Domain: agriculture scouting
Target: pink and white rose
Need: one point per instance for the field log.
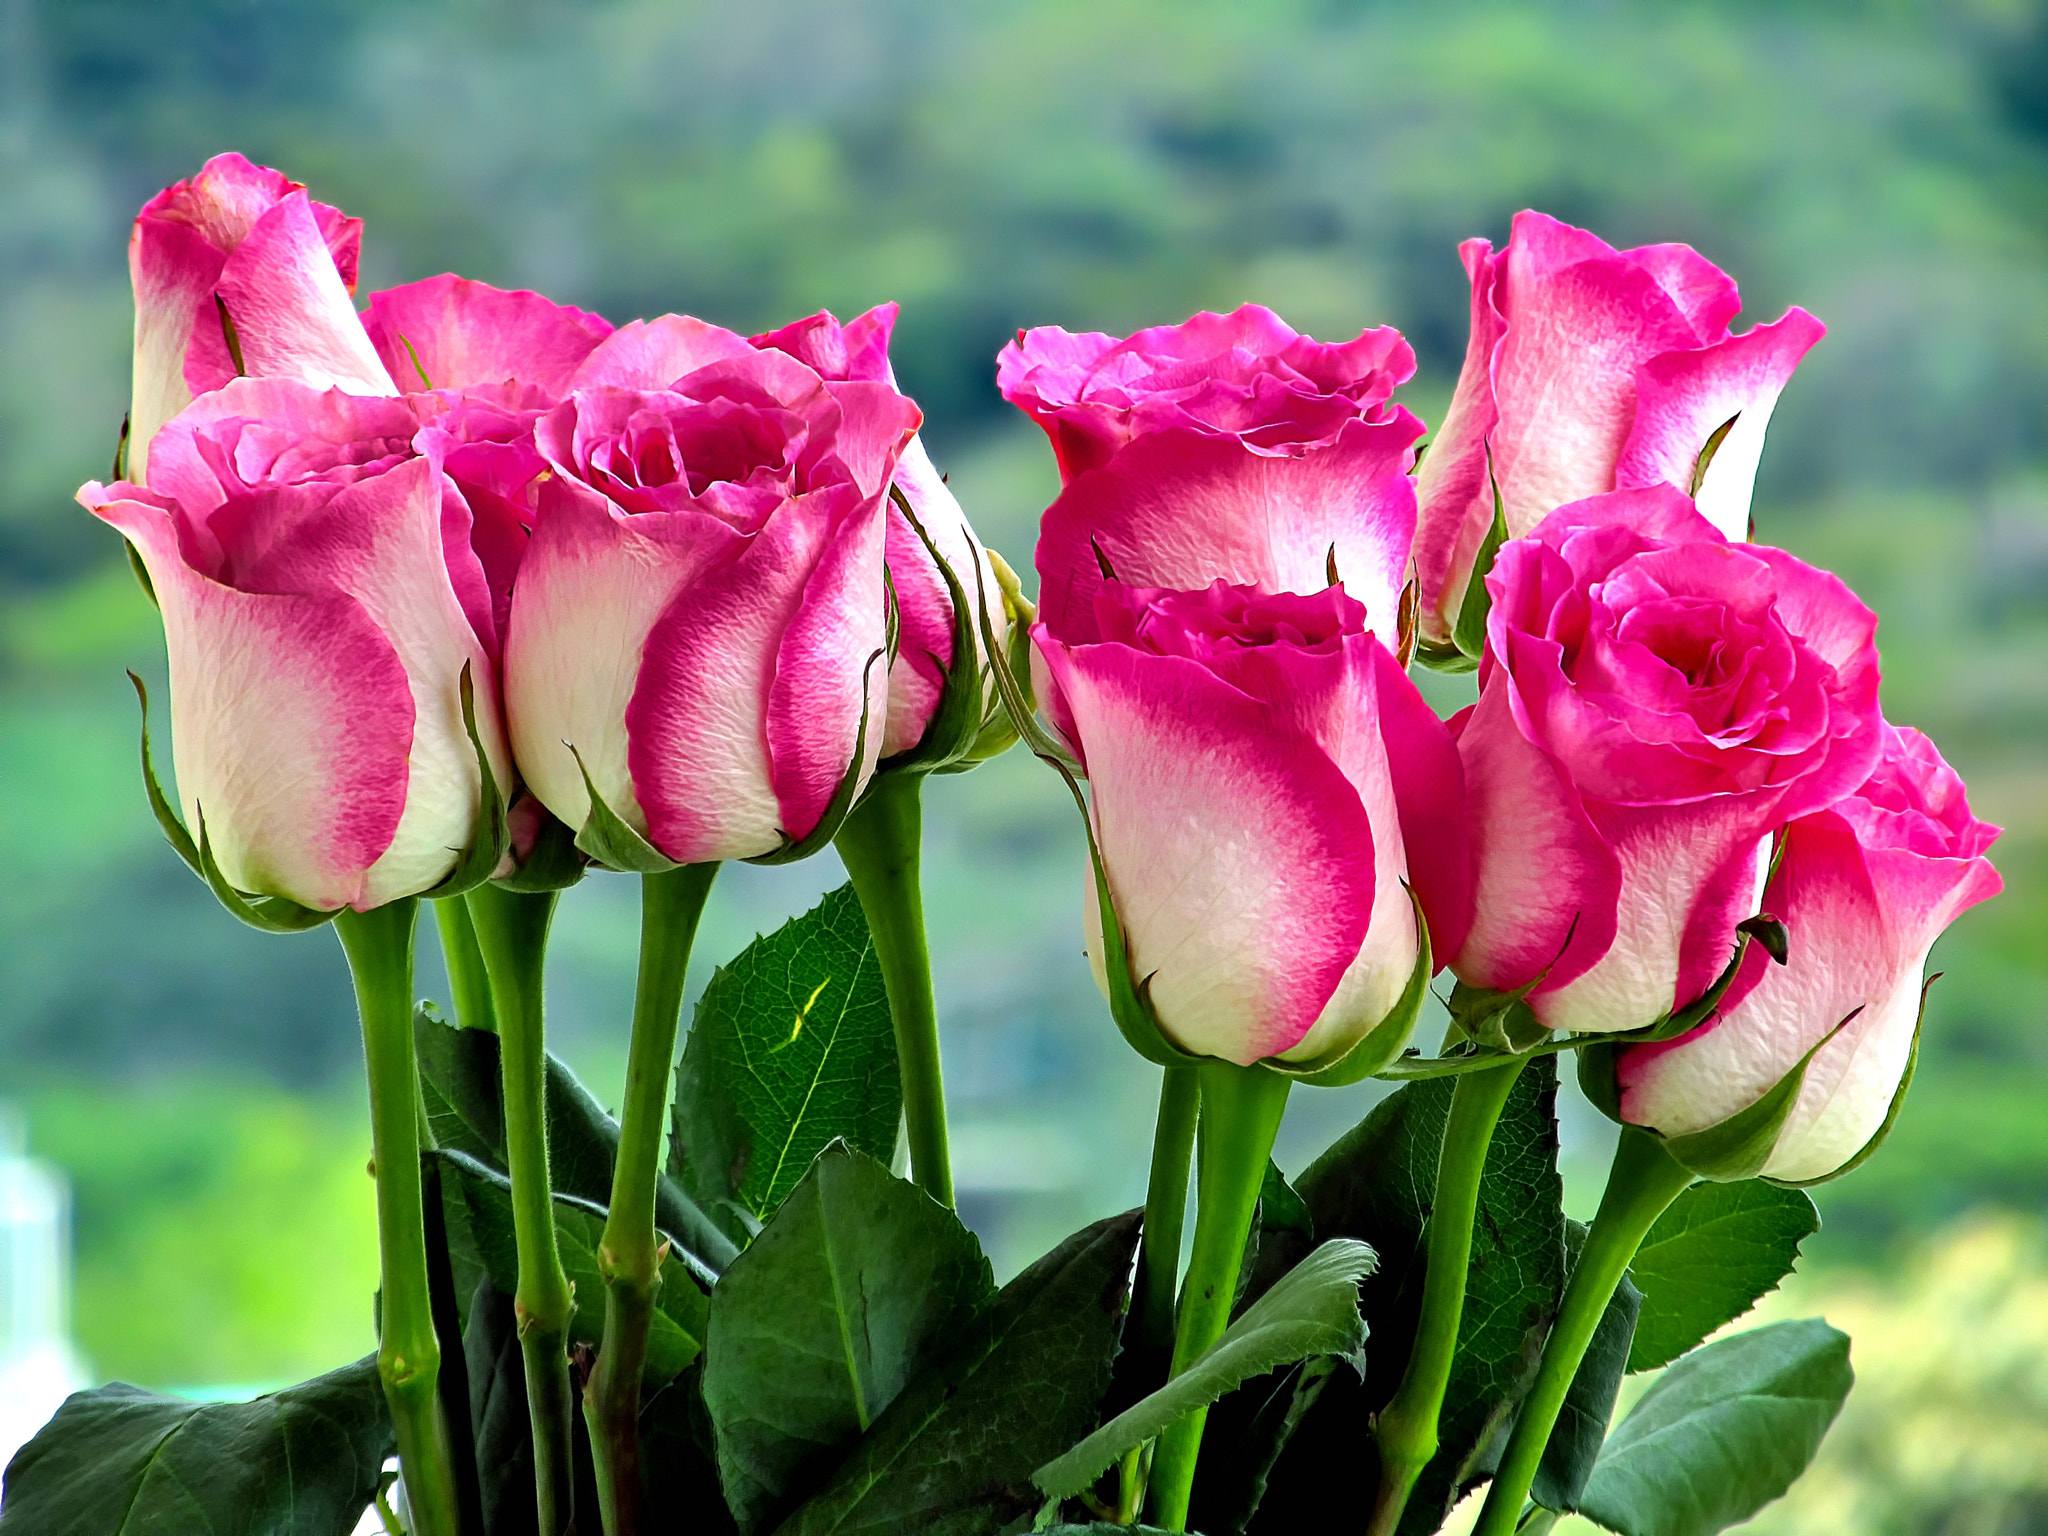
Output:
(700, 614)
(1264, 780)
(1587, 370)
(320, 601)
(1864, 889)
(1655, 702)
(1229, 447)
(859, 350)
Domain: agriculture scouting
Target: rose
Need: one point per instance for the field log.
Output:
(1864, 888)
(320, 601)
(700, 616)
(1264, 778)
(1227, 447)
(1655, 702)
(241, 251)
(924, 605)
(1590, 369)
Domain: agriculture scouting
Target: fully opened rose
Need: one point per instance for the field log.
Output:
(1228, 448)
(1654, 703)
(1590, 369)
(1864, 889)
(1265, 784)
(700, 621)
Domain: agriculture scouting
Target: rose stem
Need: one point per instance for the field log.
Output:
(879, 845)
(627, 1255)
(1241, 1109)
(1406, 1427)
(511, 931)
(1166, 1201)
(1643, 1180)
(469, 984)
(379, 948)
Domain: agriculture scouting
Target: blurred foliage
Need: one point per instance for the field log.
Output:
(1102, 164)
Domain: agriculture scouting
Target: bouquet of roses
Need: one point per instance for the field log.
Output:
(468, 593)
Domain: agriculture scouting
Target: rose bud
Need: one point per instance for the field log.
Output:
(238, 271)
(321, 604)
(1229, 447)
(1864, 888)
(1587, 370)
(940, 537)
(700, 621)
(1654, 703)
(1266, 783)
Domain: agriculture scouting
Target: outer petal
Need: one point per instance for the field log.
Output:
(591, 587)
(1682, 398)
(698, 724)
(1452, 488)
(173, 267)
(467, 333)
(653, 354)
(1182, 509)
(1545, 882)
(1240, 857)
(291, 721)
(291, 312)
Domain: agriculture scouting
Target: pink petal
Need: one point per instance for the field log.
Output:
(467, 333)
(653, 354)
(1428, 778)
(1452, 488)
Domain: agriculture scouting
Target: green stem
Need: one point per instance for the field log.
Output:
(628, 1256)
(510, 929)
(1642, 1182)
(879, 845)
(379, 948)
(469, 983)
(1166, 1201)
(1241, 1109)
(1406, 1427)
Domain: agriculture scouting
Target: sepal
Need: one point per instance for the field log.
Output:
(609, 841)
(956, 724)
(553, 862)
(159, 804)
(997, 733)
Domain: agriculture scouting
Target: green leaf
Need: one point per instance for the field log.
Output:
(858, 1283)
(1237, 1467)
(681, 1310)
(1722, 1433)
(120, 1461)
(461, 1082)
(681, 1461)
(792, 1047)
(954, 1455)
(1311, 1310)
(1376, 1184)
(1707, 1260)
(1581, 1427)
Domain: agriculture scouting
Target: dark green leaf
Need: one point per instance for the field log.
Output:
(120, 1461)
(1236, 1466)
(1375, 1184)
(461, 1083)
(1722, 1433)
(954, 1455)
(1310, 1310)
(681, 1461)
(1581, 1427)
(792, 1048)
(498, 1413)
(1709, 1257)
(858, 1283)
(681, 1307)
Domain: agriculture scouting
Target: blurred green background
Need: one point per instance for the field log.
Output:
(995, 164)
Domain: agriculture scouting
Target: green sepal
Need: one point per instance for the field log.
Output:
(609, 841)
(1013, 688)
(794, 848)
(1371, 1051)
(160, 805)
(1713, 446)
(142, 575)
(121, 448)
(272, 914)
(1442, 656)
(488, 843)
(1597, 1079)
(998, 734)
(1738, 1147)
(1468, 634)
(1891, 1114)
(553, 863)
(957, 721)
(1499, 1021)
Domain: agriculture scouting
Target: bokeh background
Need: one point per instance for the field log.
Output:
(1096, 164)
